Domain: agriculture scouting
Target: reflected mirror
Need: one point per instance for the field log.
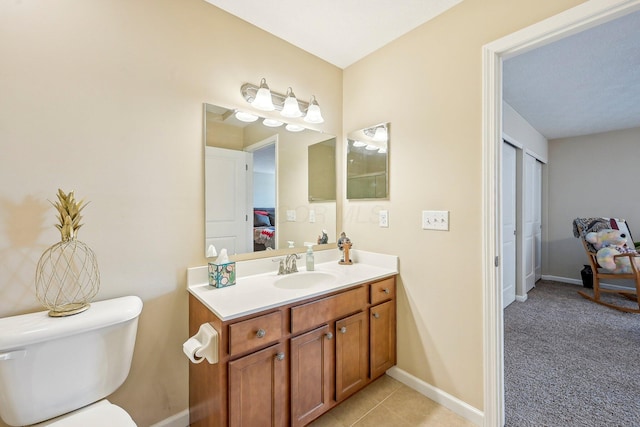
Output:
(258, 181)
(321, 169)
(367, 163)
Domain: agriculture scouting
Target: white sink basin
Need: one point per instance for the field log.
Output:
(304, 280)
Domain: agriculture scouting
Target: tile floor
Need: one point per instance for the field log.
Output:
(388, 402)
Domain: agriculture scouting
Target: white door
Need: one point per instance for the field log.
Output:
(508, 224)
(227, 202)
(532, 221)
(537, 222)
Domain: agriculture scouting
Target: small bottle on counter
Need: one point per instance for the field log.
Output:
(310, 260)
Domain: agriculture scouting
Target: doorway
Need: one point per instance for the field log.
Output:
(579, 18)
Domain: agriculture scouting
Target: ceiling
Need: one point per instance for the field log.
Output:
(339, 31)
(583, 84)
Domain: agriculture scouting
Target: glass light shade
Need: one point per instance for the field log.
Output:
(380, 134)
(246, 117)
(294, 128)
(382, 151)
(359, 144)
(272, 123)
(371, 147)
(291, 107)
(314, 115)
(263, 99)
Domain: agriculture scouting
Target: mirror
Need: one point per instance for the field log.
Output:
(258, 181)
(367, 163)
(321, 169)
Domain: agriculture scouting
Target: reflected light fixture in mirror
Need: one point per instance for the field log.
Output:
(263, 98)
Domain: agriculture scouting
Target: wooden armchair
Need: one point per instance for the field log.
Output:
(583, 226)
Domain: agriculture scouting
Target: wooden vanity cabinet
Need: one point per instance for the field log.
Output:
(258, 388)
(312, 380)
(293, 363)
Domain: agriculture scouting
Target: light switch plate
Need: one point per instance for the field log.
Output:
(435, 220)
(312, 215)
(291, 215)
(383, 218)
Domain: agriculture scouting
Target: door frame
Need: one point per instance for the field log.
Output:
(574, 20)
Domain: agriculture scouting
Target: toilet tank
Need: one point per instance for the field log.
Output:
(53, 365)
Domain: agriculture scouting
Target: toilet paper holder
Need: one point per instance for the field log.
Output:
(203, 345)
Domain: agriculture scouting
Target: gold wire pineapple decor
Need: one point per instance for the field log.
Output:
(67, 276)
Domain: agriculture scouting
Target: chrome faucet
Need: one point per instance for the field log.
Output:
(290, 264)
(287, 265)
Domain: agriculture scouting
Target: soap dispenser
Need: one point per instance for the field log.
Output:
(310, 262)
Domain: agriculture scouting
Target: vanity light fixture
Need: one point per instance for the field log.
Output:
(313, 112)
(358, 144)
(291, 108)
(263, 98)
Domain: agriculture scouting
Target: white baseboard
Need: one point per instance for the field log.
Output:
(579, 282)
(522, 298)
(441, 397)
(181, 419)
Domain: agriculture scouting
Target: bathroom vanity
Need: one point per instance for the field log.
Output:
(292, 347)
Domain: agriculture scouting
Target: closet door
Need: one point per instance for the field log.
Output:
(508, 224)
(532, 221)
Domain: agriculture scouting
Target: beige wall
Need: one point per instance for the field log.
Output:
(428, 85)
(589, 176)
(105, 97)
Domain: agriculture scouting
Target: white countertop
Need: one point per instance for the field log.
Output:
(254, 290)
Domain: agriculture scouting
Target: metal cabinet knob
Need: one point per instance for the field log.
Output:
(280, 356)
(261, 333)
(376, 315)
(386, 290)
(343, 330)
(329, 336)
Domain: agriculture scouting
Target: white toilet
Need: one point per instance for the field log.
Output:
(55, 371)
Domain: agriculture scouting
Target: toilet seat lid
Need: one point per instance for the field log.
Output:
(99, 414)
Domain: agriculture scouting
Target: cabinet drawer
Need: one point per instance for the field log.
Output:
(383, 290)
(308, 315)
(255, 333)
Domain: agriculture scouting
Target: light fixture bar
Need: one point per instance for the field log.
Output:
(249, 92)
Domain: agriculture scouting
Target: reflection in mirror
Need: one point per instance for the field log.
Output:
(367, 163)
(322, 171)
(256, 183)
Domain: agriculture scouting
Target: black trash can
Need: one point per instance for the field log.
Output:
(587, 276)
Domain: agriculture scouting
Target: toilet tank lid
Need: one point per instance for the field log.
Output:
(25, 329)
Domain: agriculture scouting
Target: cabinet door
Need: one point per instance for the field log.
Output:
(258, 389)
(352, 354)
(311, 374)
(382, 327)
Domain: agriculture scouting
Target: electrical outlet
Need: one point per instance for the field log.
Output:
(312, 215)
(383, 218)
(291, 215)
(435, 220)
